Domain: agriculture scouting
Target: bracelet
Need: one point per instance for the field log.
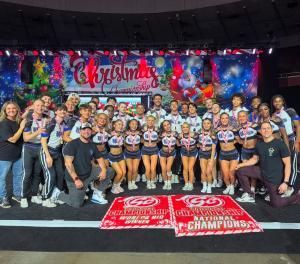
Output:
(286, 182)
(75, 179)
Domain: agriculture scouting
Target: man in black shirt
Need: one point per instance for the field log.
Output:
(79, 173)
(274, 169)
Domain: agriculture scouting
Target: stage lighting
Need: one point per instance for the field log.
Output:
(151, 52)
(1, 53)
(106, 52)
(71, 53)
(224, 52)
(161, 53)
(78, 52)
(187, 52)
(270, 50)
(254, 51)
(7, 52)
(43, 52)
(198, 52)
(115, 52)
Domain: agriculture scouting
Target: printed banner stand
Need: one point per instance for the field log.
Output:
(196, 215)
(138, 212)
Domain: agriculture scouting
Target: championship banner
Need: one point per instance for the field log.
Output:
(196, 215)
(138, 212)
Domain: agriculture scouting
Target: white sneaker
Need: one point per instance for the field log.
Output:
(226, 191)
(214, 183)
(160, 179)
(208, 190)
(176, 178)
(144, 179)
(246, 198)
(267, 198)
(130, 185)
(231, 191)
(48, 203)
(120, 189)
(36, 200)
(138, 178)
(149, 185)
(24, 203)
(169, 186)
(115, 189)
(204, 188)
(98, 198)
(288, 192)
(134, 186)
(219, 184)
(153, 185)
(185, 187)
(191, 187)
(165, 187)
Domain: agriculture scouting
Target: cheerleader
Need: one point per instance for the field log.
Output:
(121, 114)
(275, 121)
(101, 135)
(132, 152)
(193, 119)
(116, 155)
(207, 154)
(167, 153)
(229, 156)
(247, 137)
(189, 153)
(291, 122)
(150, 151)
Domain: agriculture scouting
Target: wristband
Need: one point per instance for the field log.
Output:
(75, 179)
(286, 182)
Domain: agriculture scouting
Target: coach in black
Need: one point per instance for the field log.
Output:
(274, 169)
(79, 172)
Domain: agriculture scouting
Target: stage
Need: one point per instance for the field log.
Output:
(77, 230)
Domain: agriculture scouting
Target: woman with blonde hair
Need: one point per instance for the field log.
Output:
(10, 151)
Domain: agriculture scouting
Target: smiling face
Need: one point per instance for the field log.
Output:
(86, 133)
(255, 103)
(266, 130)
(264, 111)
(185, 128)
(166, 126)
(224, 119)
(133, 125)
(216, 109)
(122, 108)
(174, 106)
(150, 121)
(192, 109)
(61, 113)
(38, 107)
(47, 101)
(242, 117)
(184, 109)
(278, 103)
(70, 106)
(101, 120)
(206, 124)
(85, 113)
(157, 101)
(208, 104)
(140, 109)
(118, 126)
(11, 111)
(236, 101)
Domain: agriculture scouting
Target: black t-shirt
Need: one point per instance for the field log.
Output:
(270, 159)
(83, 154)
(9, 151)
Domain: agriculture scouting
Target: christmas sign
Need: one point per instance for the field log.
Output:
(138, 212)
(195, 215)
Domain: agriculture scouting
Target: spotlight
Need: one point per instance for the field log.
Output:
(106, 52)
(270, 50)
(125, 52)
(115, 52)
(151, 52)
(35, 53)
(7, 52)
(198, 52)
(187, 52)
(71, 53)
(161, 53)
(224, 52)
(78, 52)
(43, 52)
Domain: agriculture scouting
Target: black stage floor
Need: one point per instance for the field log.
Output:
(143, 240)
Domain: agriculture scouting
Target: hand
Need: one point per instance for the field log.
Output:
(282, 188)
(102, 175)
(40, 130)
(239, 166)
(49, 161)
(78, 184)
(22, 124)
(296, 146)
(210, 165)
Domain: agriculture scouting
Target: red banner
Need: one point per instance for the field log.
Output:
(138, 212)
(196, 215)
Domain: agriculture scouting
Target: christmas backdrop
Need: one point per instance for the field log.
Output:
(175, 77)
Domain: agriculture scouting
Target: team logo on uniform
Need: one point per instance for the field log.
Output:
(271, 151)
(141, 201)
(202, 201)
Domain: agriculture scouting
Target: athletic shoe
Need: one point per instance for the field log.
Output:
(144, 179)
(267, 198)
(48, 203)
(16, 198)
(130, 186)
(191, 187)
(120, 188)
(169, 185)
(36, 199)
(153, 185)
(288, 192)
(160, 179)
(176, 178)
(24, 203)
(149, 185)
(115, 189)
(231, 190)
(246, 198)
(134, 186)
(262, 190)
(226, 191)
(98, 198)
(208, 190)
(185, 187)
(214, 183)
(165, 187)
(219, 184)
(5, 203)
(138, 178)
(204, 188)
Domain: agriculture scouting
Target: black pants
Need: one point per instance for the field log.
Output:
(294, 163)
(32, 170)
(53, 176)
(254, 172)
